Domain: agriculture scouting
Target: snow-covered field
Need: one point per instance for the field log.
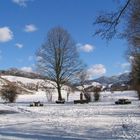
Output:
(101, 120)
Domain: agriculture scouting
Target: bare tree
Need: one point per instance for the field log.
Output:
(83, 77)
(127, 14)
(49, 93)
(58, 58)
(136, 74)
(97, 91)
(133, 37)
(9, 92)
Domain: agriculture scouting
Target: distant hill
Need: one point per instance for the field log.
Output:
(107, 82)
(117, 82)
(122, 78)
(17, 72)
(104, 80)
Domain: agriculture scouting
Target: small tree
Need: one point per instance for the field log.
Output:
(9, 93)
(136, 74)
(69, 89)
(49, 93)
(97, 91)
(83, 77)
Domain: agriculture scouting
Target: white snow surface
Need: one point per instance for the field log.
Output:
(95, 84)
(101, 120)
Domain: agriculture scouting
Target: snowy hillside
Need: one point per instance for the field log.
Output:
(26, 81)
(90, 84)
(21, 73)
(38, 88)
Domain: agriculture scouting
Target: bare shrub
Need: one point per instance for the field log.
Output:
(9, 93)
(96, 96)
(49, 92)
(97, 91)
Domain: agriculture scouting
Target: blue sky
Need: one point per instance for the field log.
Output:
(24, 25)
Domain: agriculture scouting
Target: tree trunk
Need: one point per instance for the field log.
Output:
(59, 93)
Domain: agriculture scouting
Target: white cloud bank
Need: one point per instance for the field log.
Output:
(96, 70)
(86, 48)
(22, 3)
(27, 69)
(5, 34)
(30, 28)
(18, 45)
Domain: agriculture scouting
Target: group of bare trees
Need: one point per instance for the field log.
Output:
(128, 17)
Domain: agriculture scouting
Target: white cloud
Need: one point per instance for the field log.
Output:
(96, 70)
(5, 34)
(85, 48)
(27, 69)
(18, 45)
(30, 28)
(127, 71)
(125, 65)
(131, 59)
(22, 3)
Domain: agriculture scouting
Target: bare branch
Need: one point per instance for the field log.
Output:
(108, 22)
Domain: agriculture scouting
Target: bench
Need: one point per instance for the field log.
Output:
(123, 101)
(80, 101)
(36, 104)
(60, 101)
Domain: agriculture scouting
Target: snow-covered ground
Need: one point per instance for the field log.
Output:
(101, 120)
